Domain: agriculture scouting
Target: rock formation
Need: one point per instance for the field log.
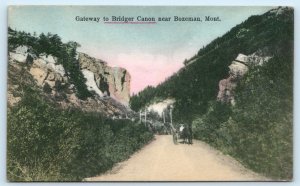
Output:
(110, 85)
(46, 71)
(22, 54)
(43, 68)
(109, 81)
(238, 68)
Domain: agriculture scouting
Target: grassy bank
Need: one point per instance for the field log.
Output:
(50, 144)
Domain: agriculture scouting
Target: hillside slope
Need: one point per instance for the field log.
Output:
(237, 93)
(196, 84)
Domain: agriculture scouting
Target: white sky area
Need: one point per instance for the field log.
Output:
(150, 52)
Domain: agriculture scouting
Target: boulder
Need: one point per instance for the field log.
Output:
(238, 68)
(45, 70)
(39, 75)
(21, 55)
(226, 87)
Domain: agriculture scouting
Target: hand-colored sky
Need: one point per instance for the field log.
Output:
(150, 52)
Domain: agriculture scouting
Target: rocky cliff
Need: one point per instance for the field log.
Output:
(237, 69)
(105, 80)
(109, 85)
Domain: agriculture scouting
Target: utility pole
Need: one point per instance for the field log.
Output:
(145, 117)
(163, 113)
(140, 116)
(171, 115)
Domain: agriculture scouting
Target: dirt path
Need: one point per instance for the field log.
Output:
(161, 160)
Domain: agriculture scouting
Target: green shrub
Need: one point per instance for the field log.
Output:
(49, 144)
(47, 89)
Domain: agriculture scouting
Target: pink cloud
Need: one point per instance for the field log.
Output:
(146, 69)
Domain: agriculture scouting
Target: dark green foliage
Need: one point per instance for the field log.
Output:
(47, 88)
(60, 87)
(206, 125)
(104, 87)
(50, 144)
(16, 39)
(141, 99)
(123, 77)
(265, 110)
(259, 129)
(51, 44)
(185, 62)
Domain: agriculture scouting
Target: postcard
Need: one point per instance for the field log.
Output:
(150, 93)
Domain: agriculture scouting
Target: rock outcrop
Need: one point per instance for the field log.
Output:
(101, 78)
(22, 54)
(46, 71)
(238, 68)
(110, 85)
(43, 68)
(109, 81)
(160, 106)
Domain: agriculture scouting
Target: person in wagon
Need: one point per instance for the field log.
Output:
(181, 128)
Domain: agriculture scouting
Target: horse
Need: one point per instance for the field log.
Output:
(186, 135)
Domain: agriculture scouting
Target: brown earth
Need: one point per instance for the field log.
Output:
(162, 160)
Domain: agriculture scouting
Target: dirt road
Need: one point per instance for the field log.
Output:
(161, 160)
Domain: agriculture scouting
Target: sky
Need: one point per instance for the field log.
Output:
(150, 52)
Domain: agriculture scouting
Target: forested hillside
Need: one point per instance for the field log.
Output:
(257, 129)
(49, 142)
(197, 83)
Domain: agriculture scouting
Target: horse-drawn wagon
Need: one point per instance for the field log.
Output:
(184, 133)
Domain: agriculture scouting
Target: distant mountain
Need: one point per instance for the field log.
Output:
(237, 93)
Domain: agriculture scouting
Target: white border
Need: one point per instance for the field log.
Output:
(3, 72)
